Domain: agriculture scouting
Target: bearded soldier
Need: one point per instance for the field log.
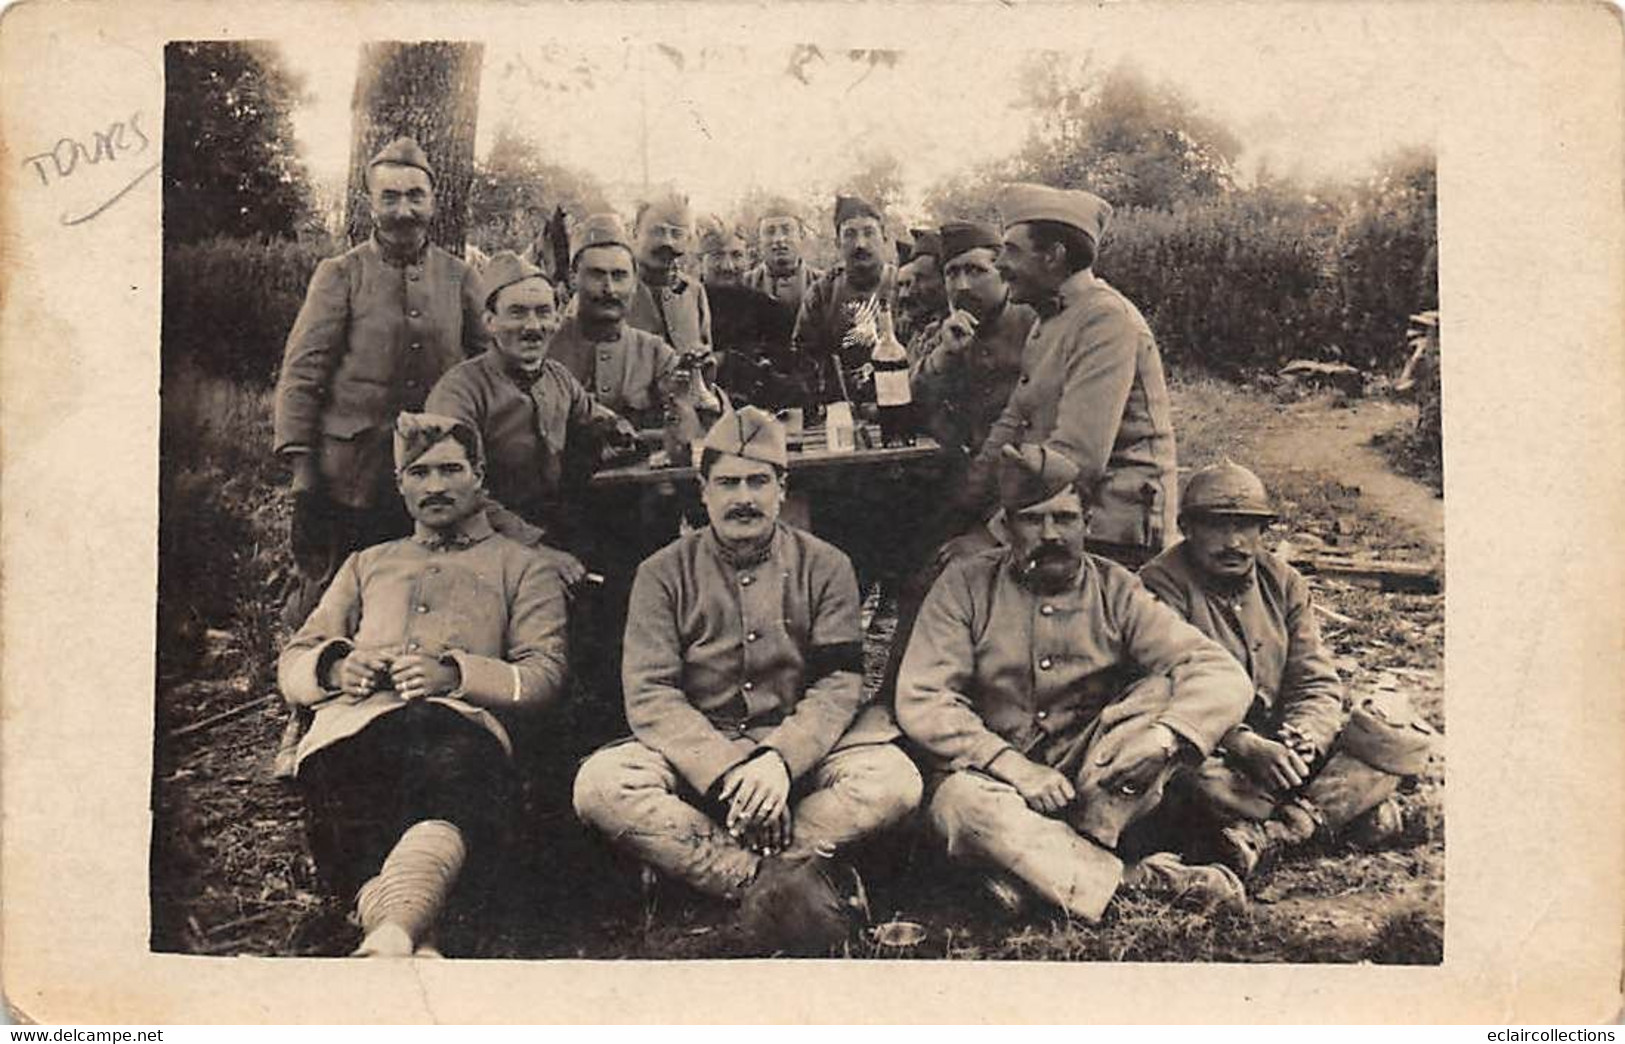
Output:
(379, 325)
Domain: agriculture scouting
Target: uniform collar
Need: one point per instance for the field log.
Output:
(1067, 294)
(743, 560)
(401, 258)
(469, 532)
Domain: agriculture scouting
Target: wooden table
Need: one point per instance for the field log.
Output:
(809, 459)
(809, 455)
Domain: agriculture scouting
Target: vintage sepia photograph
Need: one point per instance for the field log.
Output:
(750, 499)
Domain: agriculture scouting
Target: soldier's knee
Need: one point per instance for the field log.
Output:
(599, 788)
(882, 779)
(964, 802)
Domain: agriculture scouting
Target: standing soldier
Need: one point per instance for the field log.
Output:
(665, 302)
(922, 298)
(751, 329)
(623, 367)
(379, 325)
(1091, 384)
(782, 274)
(837, 325)
(1298, 764)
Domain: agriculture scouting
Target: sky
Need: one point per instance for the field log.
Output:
(721, 118)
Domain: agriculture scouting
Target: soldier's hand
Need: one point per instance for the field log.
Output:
(569, 566)
(755, 791)
(958, 330)
(770, 837)
(362, 673)
(1044, 789)
(416, 676)
(1275, 765)
(1132, 768)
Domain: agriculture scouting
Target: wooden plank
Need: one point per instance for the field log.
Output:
(809, 459)
(1410, 576)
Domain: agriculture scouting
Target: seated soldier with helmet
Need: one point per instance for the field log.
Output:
(1298, 765)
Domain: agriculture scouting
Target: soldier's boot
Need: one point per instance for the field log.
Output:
(1376, 828)
(1251, 847)
(1204, 888)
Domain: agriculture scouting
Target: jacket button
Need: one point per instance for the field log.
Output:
(748, 686)
(751, 636)
(1041, 715)
(746, 580)
(432, 570)
(1025, 378)
(414, 313)
(1046, 610)
(423, 608)
(411, 646)
(417, 345)
(1045, 664)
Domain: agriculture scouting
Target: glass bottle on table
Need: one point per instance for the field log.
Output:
(893, 395)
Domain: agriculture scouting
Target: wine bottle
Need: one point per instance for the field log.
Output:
(893, 395)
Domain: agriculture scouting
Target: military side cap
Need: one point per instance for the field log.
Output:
(670, 209)
(1226, 488)
(599, 230)
(716, 237)
(417, 433)
(926, 242)
(780, 207)
(1031, 474)
(752, 433)
(403, 152)
(1084, 211)
(505, 269)
(960, 236)
(849, 207)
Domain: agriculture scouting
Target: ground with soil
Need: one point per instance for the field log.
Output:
(230, 874)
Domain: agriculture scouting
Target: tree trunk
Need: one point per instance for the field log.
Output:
(429, 92)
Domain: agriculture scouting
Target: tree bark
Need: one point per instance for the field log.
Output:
(429, 92)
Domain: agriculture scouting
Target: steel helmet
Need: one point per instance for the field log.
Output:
(1226, 489)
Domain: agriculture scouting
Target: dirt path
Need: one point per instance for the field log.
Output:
(1341, 447)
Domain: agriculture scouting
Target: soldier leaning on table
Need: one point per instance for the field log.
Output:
(378, 327)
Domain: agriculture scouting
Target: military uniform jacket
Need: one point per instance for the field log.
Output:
(371, 339)
(490, 604)
(992, 665)
(1269, 626)
(1092, 387)
(626, 375)
(679, 313)
(788, 289)
(527, 429)
(964, 394)
(721, 658)
(828, 313)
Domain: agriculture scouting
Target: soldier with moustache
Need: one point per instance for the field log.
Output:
(421, 659)
(922, 298)
(1054, 697)
(665, 302)
(743, 678)
(378, 327)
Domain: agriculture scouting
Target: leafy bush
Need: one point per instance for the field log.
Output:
(229, 303)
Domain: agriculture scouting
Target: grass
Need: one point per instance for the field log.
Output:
(230, 873)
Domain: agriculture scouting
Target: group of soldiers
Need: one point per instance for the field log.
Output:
(1064, 727)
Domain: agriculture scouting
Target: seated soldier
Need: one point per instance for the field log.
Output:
(532, 415)
(1296, 763)
(743, 681)
(413, 662)
(1055, 697)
